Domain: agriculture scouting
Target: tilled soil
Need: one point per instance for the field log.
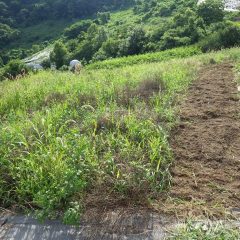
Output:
(206, 145)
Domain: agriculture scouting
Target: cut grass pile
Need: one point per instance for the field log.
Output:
(103, 133)
(206, 231)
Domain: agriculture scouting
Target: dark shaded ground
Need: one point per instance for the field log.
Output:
(206, 145)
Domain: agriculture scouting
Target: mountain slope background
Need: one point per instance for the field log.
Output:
(26, 23)
(99, 30)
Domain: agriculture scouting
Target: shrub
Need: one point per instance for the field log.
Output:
(59, 54)
(1, 74)
(230, 37)
(134, 43)
(224, 38)
(211, 11)
(14, 69)
(46, 63)
(63, 68)
(1, 62)
(103, 17)
(7, 34)
(74, 30)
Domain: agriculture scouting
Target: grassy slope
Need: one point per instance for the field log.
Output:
(181, 52)
(104, 132)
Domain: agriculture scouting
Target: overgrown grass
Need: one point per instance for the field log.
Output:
(181, 52)
(206, 231)
(103, 133)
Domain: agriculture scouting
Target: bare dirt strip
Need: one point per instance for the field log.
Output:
(206, 145)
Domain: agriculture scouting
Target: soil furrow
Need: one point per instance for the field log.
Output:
(206, 144)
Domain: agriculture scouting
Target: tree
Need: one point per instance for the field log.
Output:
(227, 37)
(111, 47)
(7, 34)
(74, 30)
(59, 54)
(1, 62)
(14, 68)
(185, 28)
(103, 17)
(91, 43)
(134, 43)
(211, 11)
(24, 14)
(3, 9)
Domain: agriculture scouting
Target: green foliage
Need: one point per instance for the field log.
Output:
(59, 54)
(1, 62)
(46, 64)
(109, 49)
(185, 28)
(124, 34)
(72, 214)
(74, 30)
(63, 136)
(182, 52)
(155, 7)
(38, 22)
(134, 43)
(103, 17)
(211, 11)
(223, 38)
(91, 43)
(14, 68)
(7, 34)
(34, 11)
(145, 26)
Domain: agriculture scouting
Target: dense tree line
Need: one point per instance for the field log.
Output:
(20, 13)
(186, 23)
(33, 11)
(28, 12)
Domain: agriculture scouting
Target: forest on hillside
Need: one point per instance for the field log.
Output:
(25, 13)
(108, 29)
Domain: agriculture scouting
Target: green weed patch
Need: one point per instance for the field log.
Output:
(105, 132)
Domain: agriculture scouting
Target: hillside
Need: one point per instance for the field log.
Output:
(35, 24)
(113, 29)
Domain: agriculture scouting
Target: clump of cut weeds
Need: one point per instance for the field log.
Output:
(206, 231)
(145, 89)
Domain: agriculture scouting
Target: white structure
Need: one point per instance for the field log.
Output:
(73, 63)
(75, 66)
(39, 57)
(34, 66)
(230, 5)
